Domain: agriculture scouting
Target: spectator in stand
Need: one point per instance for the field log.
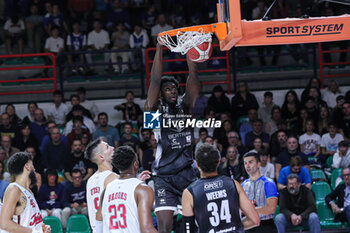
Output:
(78, 110)
(118, 14)
(35, 29)
(25, 138)
(264, 112)
(203, 133)
(257, 132)
(4, 176)
(138, 40)
(77, 131)
(129, 140)
(161, 26)
(243, 101)
(337, 112)
(284, 157)
(323, 120)
(146, 137)
(54, 44)
(104, 130)
(248, 126)
(6, 144)
(233, 167)
(31, 109)
(80, 9)
(219, 101)
(84, 141)
(271, 125)
(341, 158)
(76, 41)
(131, 111)
(74, 197)
(39, 167)
(297, 207)
(76, 160)
(47, 138)
(39, 125)
(55, 151)
(149, 155)
(47, 17)
(14, 32)
(278, 142)
(3, 184)
(257, 145)
(220, 134)
(6, 128)
(234, 140)
(313, 82)
(290, 108)
(57, 111)
(344, 123)
(310, 142)
(210, 140)
(14, 119)
(98, 40)
(300, 126)
(200, 104)
(266, 168)
(51, 196)
(56, 20)
(262, 191)
(295, 167)
(316, 93)
(208, 113)
(330, 141)
(120, 39)
(75, 100)
(331, 94)
(311, 108)
(339, 199)
(149, 18)
(87, 104)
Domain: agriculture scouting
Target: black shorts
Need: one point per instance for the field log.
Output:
(168, 189)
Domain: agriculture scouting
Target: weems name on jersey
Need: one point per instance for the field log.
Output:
(216, 195)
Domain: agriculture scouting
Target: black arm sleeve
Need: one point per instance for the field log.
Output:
(189, 224)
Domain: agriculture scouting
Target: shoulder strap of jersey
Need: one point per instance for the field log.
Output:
(24, 190)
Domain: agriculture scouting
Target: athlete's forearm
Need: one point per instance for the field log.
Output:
(248, 223)
(11, 226)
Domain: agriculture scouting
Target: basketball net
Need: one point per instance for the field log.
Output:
(185, 40)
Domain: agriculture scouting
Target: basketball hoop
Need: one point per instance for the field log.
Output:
(185, 40)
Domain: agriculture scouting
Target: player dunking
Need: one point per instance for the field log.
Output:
(126, 203)
(20, 212)
(214, 201)
(100, 153)
(172, 167)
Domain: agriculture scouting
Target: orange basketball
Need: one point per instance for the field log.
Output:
(201, 52)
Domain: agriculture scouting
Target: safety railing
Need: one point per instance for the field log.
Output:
(224, 57)
(323, 64)
(29, 67)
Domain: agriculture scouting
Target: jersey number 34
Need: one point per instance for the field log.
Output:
(216, 216)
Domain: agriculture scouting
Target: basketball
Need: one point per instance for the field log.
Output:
(200, 53)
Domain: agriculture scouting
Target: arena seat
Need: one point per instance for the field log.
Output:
(54, 223)
(78, 224)
(335, 174)
(329, 161)
(321, 189)
(326, 217)
(317, 175)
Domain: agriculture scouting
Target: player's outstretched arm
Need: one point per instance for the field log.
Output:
(187, 211)
(144, 200)
(252, 218)
(11, 197)
(156, 75)
(193, 85)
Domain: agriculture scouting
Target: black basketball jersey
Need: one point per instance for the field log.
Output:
(175, 143)
(216, 205)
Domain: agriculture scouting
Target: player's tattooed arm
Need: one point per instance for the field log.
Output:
(156, 75)
(12, 198)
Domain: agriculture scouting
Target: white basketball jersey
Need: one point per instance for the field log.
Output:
(31, 216)
(94, 189)
(119, 207)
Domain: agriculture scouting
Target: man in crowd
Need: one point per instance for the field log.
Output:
(341, 158)
(104, 130)
(57, 111)
(295, 167)
(257, 133)
(297, 207)
(344, 123)
(262, 191)
(198, 207)
(6, 128)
